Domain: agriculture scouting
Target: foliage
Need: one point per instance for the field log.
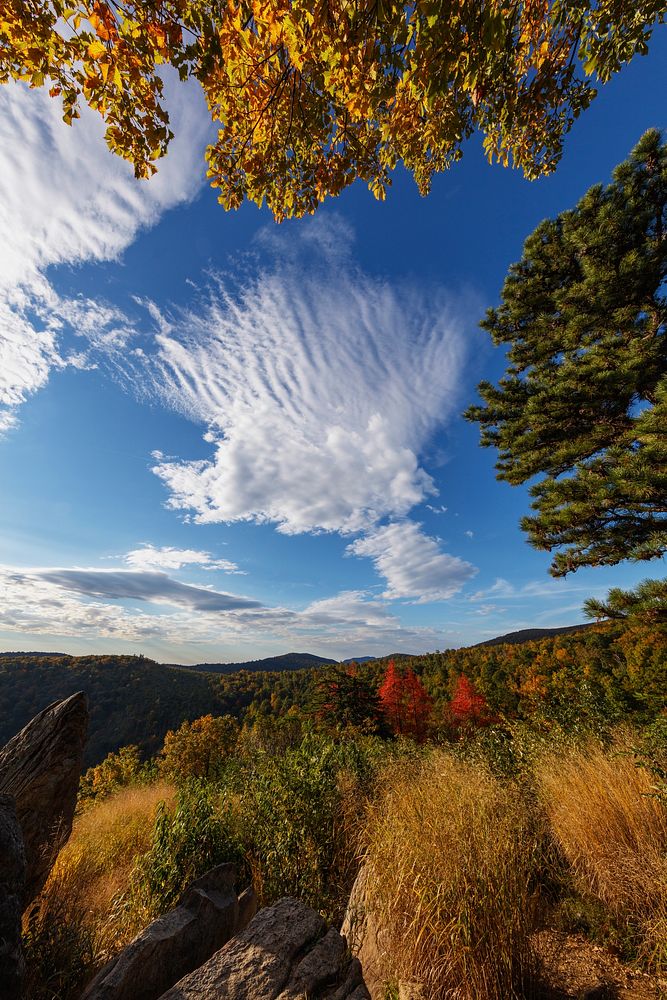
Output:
(584, 401)
(344, 698)
(310, 97)
(199, 749)
(196, 834)
(647, 602)
(592, 677)
(468, 707)
(302, 810)
(117, 770)
(405, 702)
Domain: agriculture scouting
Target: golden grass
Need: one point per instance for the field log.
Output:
(92, 871)
(613, 832)
(452, 853)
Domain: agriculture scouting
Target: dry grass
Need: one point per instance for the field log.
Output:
(76, 925)
(613, 833)
(452, 856)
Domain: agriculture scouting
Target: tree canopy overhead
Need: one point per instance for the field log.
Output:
(311, 94)
(583, 403)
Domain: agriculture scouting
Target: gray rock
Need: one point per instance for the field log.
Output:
(207, 916)
(286, 952)
(40, 768)
(247, 908)
(365, 937)
(12, 881)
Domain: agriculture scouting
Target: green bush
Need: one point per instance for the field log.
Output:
(198, 833)
(300, 815)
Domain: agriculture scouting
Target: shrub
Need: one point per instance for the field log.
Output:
(117, 770)
(195, 834)
(612, 830)
(453, 854)
(301, 811)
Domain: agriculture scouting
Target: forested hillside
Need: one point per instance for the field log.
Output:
(288, 661)
(618, 670)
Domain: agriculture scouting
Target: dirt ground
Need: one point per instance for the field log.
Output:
(575, 969)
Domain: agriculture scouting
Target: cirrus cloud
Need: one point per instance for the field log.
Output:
(149, 557)
(321, 388)
(65, 199)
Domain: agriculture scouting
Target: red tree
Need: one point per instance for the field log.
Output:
(391, 697)
(468, 707)
(405, 703)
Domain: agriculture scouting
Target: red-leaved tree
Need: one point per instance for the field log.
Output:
(468, 707)
(405, 703)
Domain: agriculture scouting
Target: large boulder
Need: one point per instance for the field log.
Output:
(40, 768)
(208, 915)
(285, 953)
(365, 936)
(12, 880)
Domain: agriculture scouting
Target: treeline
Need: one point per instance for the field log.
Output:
(616, 670)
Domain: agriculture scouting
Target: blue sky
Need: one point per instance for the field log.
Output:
(225, 439)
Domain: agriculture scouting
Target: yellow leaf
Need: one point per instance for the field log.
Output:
(96, 49)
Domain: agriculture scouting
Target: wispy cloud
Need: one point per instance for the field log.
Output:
(136, 585)
(549, 588)
(321, 388)
(65, 199)
(119, 604)
(148, 557)
(412, 563)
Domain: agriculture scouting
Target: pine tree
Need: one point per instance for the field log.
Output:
(648, 603)
(583, 403)
(343, 698)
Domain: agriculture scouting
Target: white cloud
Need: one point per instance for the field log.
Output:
(412, 563)
(86, 604)
(149, 557)
(8, 421)
(536, 588)
(65, 199)
(320, 387)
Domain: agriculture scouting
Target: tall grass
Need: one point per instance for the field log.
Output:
(75, 925)
(612, 830)
(452, 855)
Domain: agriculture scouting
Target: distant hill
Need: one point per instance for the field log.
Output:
(386, 656)
(530, 635)
(30, 653)
(272, 664)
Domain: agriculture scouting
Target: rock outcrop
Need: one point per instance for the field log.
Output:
(365, 937)
(12, 881)
(40, 769)
(285, 953)
(207, 916)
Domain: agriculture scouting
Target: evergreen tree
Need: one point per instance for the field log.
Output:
(648, 602)
(343, 698)
(583, 403)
